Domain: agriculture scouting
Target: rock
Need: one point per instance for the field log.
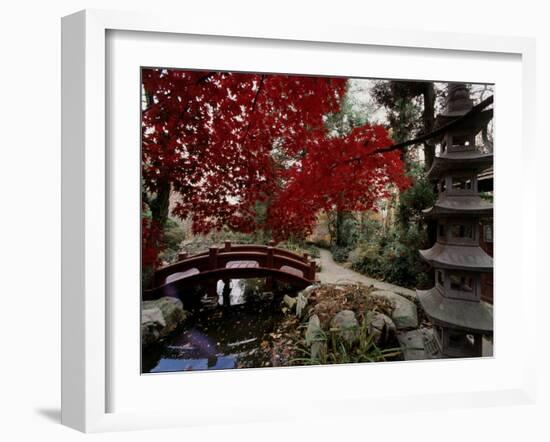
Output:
(404, 314)
(159, 318)
(289, 302)
(153, 316)
(346, 324)
(301, 302)
(173, 313)
(317, 348)
(309, 290)
(313, 330)
(382, 328)
(419, 344)
(152, 323)
(314, 337)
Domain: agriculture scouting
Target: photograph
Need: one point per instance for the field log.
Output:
(299, 220)
(236, 221)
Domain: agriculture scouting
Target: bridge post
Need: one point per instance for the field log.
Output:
(269, 265)
(227, 246)
(211, 290)
(213, 261)
(306, 257)
(312, 271)
(182, 256)
(272, 243)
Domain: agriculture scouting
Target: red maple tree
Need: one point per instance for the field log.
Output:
(225, 141)
(340, 174)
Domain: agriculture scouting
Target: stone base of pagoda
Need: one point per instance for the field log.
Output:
(419, 344)
(457, 344)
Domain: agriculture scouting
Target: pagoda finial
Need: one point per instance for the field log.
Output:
(458, 101)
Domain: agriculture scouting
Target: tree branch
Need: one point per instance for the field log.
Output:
(475, 111)
(253, 108)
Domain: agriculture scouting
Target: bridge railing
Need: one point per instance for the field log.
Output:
(228, 247)
(268, 257)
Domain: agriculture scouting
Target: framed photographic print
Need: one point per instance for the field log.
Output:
(248, 212)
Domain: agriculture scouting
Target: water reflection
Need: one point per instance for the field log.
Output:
(238, 291)
(221, 338)
(213, 363)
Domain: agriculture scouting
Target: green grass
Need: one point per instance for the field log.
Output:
(329, 347)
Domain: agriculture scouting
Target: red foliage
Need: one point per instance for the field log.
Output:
(214, 137)
(336, 174)
(151, 237)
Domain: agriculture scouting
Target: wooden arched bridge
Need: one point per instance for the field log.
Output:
(231, 262)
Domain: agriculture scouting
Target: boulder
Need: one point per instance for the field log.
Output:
(313, 330)
(309, 290)
(152, 323)
(346, 325)
(159, 318)
(419, 344)
(289, 302)
(301, 303)
(382, 328)
(404, 314)
(314, 337)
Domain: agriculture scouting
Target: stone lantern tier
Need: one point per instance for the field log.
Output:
(469, 317)
(456, 174)
(473, 125)
(458, 257)
(460, 205)
(449, 162)
(454, 308)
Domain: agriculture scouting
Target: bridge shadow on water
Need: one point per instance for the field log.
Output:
(222, 333)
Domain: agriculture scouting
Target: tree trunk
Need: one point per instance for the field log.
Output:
(339, 222)
(159, 212)
(161, 203)
(428, 119)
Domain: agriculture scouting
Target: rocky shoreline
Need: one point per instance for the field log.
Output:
(322, 324)
(364, 321)
(160, 318)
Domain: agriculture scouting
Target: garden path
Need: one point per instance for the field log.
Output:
(332, 272)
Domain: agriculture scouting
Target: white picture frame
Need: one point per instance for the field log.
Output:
(86, 315)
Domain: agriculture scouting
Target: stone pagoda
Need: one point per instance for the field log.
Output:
(454, 304)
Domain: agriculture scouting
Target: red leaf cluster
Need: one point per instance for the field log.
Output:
(225, 141)
(151, 240)
(336, 174)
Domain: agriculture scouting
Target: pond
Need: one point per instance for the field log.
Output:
(232, 331)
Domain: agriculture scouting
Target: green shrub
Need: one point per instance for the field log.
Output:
(201, 243)
(416, 198)
(323, 243)
(348, 233)
(332, 347)
(172, 239)
(369, 230)
(339, 254)
(299, 247)
(393, 255)
(394, 258)
(367, 259)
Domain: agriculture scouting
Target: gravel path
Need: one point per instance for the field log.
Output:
(333, 272)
